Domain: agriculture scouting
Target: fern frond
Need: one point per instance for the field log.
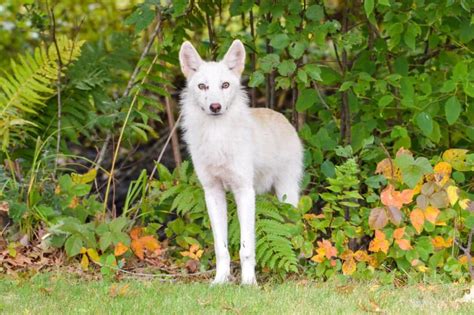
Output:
(24, 91)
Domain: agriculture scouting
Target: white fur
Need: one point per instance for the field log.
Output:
(244, 150)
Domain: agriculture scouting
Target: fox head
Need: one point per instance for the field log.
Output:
(213, 85)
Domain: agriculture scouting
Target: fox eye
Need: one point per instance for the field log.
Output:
(225, 85)
(202, 86)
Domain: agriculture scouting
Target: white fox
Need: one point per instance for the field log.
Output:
(233, 147)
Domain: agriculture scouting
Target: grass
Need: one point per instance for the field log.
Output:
(60, 294)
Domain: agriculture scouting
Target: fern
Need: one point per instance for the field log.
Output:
(24, 91)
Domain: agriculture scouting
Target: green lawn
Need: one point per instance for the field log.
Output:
(59, 294)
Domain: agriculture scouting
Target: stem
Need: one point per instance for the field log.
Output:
(130, 83)
(253, 58)
(58, 83)
(124, 125)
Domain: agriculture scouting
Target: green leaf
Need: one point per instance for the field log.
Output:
(306, 99)
(256, 79)
(452, 109)
(315, 12)
(73, 245)
(269, 62)
(314, 71)
(302, 76)
(105, 241)
(385, 100)
(297, 50)
(460, 71)
(287, 67)
(280, 41)
(384, 2)
(413, 170)
(425, 123)
(368, 7)
(448, 86)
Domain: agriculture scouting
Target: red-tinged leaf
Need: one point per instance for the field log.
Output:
(347, 254)
(391, 197)
(349, 267)
(120, 249)
(394, 215)
(431, 214)
(417, 218)
(378, 218)
(404, 244)
(402, 150)
(398, 233)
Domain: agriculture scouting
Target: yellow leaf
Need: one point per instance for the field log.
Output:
(422, 268)
(442, 172)
(309, 216)
(361, 255)
(93, 255)
(457, 159)
(453, 195)
(349, 266)
(464, 203)
(84, 262)
(120, 249)
(417, 218)
(83, 250)
(84, 178)
(388, 169)
(431, 214)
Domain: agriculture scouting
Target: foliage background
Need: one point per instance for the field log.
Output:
(359, 80)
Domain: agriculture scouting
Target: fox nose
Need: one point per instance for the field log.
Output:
(215, 107)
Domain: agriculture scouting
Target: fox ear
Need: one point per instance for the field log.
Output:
(189, 59)
(235, 57)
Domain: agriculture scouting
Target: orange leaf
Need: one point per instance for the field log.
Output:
(137, 248)
(74, 202)
(379, 243)
(150, 242)
(417, 218)
(136, 232)
(439, 242)
(330, 251)
(431, 213)
(349, 266)
(391, 197)
(404, 244)
(398, 233)
(120, 249)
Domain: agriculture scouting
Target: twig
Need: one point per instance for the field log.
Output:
(392, 169)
